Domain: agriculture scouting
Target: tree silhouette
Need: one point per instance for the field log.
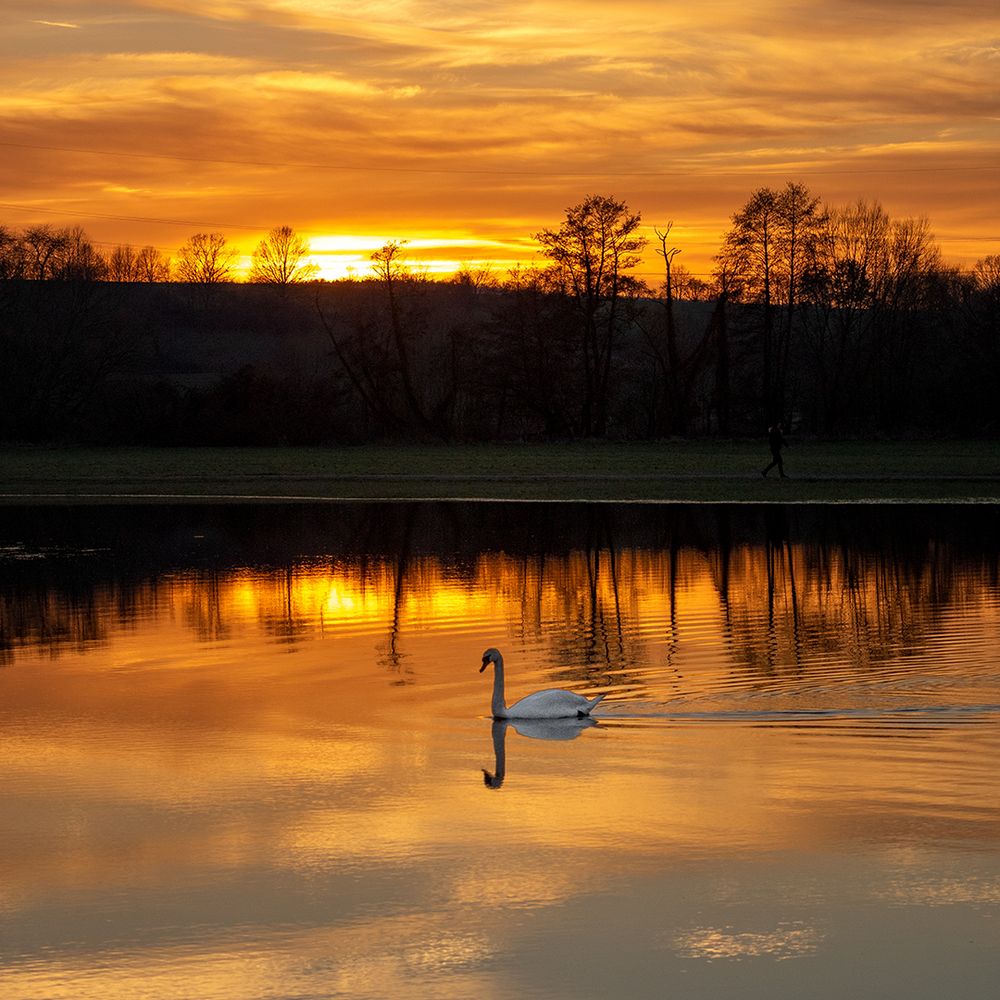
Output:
(590, 254)
(122, 264)
(871, 298)
(280, 259)
(768, 250)
(126, 264)
(44, 250)
(151, 265)
(12, 257)
(205, 259)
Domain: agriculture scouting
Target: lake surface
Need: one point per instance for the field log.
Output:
(245, 752)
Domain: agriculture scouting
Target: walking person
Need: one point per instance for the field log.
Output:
(775, 441)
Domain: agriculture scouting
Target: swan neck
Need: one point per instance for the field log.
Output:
(500, 748)
(499, 706)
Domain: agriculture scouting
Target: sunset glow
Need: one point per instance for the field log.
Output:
(466, 130)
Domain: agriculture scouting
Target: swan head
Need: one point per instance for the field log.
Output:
(492, 655)
(491, 780)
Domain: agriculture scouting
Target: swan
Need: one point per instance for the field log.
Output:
(550, 704)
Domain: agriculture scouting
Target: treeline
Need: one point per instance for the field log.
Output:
(835, 320)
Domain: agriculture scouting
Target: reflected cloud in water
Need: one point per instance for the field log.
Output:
(791, 940)
(241, 751)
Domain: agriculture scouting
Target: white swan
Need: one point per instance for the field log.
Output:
(550, 704)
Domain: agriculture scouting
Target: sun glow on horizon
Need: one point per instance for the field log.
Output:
(339, 257)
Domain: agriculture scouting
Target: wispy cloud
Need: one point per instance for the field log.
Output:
(418, 116)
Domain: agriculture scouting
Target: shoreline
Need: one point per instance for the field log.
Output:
(668, 472)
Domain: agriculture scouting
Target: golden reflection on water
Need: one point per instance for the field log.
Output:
(263, 782)
(786, 941)
(770, 610)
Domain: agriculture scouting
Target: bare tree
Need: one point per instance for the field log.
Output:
(672, 373)
(126, 264)
(122, 264)
(280, 259)
(590, 254)
(475, 278)
(49, 254)
(206, 259)
(980, 292)
(688, 287)
(530, 365)
(44, 251)
(768, 249)
(151, 265)
(82, 260)
(430, 415)
(873, 289)
(12, 257)
(400, 360)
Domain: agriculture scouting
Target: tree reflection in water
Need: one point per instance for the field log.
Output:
(598, 586)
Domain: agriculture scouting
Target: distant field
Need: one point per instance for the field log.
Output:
(672, 470)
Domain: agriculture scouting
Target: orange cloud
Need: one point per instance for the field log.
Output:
(420, 119)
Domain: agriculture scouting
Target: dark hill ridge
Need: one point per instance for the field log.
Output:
(357, 361)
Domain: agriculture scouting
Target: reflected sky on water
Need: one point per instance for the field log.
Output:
(245, 751)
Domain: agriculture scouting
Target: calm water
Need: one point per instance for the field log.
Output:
(245, 752)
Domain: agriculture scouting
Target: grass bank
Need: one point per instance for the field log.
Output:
(707, 471)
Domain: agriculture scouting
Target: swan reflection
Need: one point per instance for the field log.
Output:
(535, 729)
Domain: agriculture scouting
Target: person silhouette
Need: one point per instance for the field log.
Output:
(775, 441)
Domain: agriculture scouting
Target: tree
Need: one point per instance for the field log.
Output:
(151, 265)
(399, 358)
(528, 367)
(205, 259)
(280, 259)
(475, 278)
(431, 414)
(678, 359)
(718, 331)
(126, 264)
(44, 251)
(122, 264)
(12, 259)
(61, 334)
(671, 366)
(768, 250)
(590, 254)
(981, 336)
(876, 301)
(852, 263)
(82, 260)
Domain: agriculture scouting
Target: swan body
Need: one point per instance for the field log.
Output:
(549, 704)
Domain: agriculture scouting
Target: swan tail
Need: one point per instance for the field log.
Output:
(591, 705)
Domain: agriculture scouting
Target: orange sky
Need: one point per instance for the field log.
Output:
(466, 128)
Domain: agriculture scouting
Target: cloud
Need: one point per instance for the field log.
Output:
(502, 112)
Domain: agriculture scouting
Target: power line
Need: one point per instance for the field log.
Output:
(688, 243)
(495, 172)
(133, 218)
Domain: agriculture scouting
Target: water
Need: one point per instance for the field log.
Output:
(245, 752)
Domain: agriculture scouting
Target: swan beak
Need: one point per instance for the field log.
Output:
(483, 667)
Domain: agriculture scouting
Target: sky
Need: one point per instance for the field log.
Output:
(467, 128)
